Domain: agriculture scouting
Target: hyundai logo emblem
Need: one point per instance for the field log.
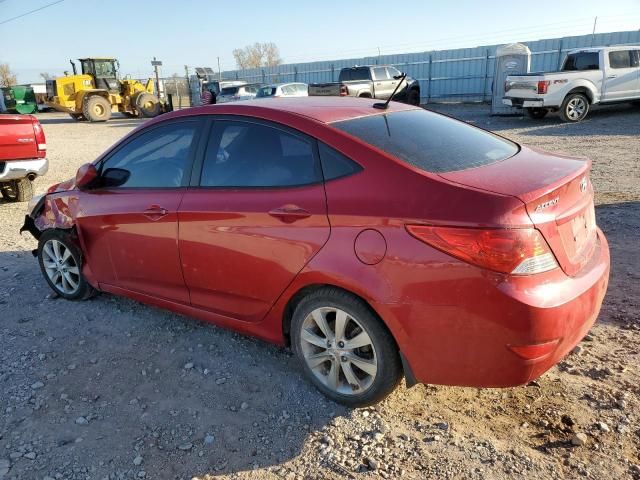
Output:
(583, 184)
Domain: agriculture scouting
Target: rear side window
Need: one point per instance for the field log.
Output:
(245, 154)
(380, 73)
(434, 143)
(621, 59)
(348, 74)
(582, 61)
(335, 164)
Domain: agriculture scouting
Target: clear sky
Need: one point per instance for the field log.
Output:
(196, 32)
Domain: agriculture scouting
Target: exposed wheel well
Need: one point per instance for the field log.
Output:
(365, 95)
(585, 91)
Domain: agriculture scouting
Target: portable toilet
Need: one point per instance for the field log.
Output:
(512, 59)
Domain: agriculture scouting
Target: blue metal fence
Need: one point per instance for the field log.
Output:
(444, 75)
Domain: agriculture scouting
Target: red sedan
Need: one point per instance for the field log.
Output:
(377, 243)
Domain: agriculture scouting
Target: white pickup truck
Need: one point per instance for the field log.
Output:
(588, 76)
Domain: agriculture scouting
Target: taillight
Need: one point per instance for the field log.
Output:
(543, 86)
(40, 139)
(344, 91)
(518, 251)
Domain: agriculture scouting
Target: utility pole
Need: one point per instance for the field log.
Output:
(155, 64)
(219, 71)
(186, 74)
(593, 33)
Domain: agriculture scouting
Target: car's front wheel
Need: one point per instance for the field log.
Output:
(60, 261)
(344, 348)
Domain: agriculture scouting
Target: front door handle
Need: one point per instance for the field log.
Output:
(155, 212)
(289, 213)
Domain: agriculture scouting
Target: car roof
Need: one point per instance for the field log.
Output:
(320, 109)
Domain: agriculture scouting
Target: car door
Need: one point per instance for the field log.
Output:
(381, 82)
(129, 222)
(257, 216)
(622, 80)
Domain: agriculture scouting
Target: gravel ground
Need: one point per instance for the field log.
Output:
(112, 389)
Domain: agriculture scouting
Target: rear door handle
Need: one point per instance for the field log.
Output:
(155, 212)
(289, 213)
(612, 76)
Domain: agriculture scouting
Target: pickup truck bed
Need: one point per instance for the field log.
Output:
(22, 155)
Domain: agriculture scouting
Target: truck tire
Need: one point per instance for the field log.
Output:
(414, 97)
(96, 109)
(575, 108)
(537, 112)
(364, 95)
(18, 190)
(147, 105)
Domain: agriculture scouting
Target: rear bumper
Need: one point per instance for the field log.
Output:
(508, 331)
(523, 102)
(18, 169)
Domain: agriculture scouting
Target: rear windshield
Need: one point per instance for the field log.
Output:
(266, 92)
(434, 143)
(582, 61)
(347, 74)
(229, 90)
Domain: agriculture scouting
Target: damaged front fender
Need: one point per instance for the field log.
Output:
(52, 210)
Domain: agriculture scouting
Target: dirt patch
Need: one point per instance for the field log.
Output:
(110, 388)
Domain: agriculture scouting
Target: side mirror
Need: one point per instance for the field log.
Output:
(86, 175)
(114, 177)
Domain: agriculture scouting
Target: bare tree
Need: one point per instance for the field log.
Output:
(7, 79)
(257, 55)
(46, 76)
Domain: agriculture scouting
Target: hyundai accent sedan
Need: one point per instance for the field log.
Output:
(377, 243)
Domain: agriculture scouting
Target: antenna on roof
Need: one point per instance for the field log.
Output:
(385, 105)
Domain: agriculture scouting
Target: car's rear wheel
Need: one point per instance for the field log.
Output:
(60, 261)
(344, 348)
(17, 190)
(414, 97)
(575, 108)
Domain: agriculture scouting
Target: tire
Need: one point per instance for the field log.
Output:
(18, 190)
(63, 272)
(78, 117)
(365, 95)
(96, 109)
(575, 108)
(147, 105)
(376, 350)
(537, 113)
(414, 98)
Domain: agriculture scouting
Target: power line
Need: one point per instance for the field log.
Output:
(30, 12)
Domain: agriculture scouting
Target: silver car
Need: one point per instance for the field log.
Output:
(284, 90)
(238, 92)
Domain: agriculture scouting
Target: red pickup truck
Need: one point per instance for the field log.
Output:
(23, 156)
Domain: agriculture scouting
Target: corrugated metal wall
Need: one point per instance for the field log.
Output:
(444, 75)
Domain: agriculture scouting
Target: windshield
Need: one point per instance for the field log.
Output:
(266, 92)
(105, 69)
(434, 143)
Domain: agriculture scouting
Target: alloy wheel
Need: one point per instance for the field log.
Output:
(576, 108)
(61, 267)
(338, 351)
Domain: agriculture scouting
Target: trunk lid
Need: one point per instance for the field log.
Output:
(558, 196)
(17, 138)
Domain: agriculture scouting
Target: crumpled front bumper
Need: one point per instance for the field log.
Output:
(19, 169)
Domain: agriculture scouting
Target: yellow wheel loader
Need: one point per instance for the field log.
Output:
(97, 92)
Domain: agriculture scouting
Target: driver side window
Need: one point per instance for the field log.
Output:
(157, 158)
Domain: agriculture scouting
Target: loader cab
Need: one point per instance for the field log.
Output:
(104, 72)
